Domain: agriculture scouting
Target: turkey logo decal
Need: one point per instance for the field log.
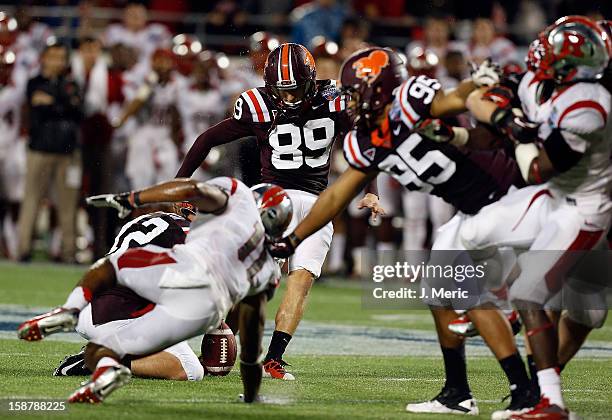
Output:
(370, 67)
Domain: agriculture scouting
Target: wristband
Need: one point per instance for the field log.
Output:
(135, 197)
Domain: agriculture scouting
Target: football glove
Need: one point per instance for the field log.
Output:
(486, 74)
(119, 202)
(512, 123)
(500, 96)
(285, 247)
(435, 130)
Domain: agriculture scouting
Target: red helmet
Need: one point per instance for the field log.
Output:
(186, 48)
(370, 77)
(8, 29)
(7, 60)
(290, 76)
(574, 48)
(260, 45)
(322, 48)
(422, 62)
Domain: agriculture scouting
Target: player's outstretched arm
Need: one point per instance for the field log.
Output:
(329, 204)
(224, 132)
(251, 319)
(206, 198)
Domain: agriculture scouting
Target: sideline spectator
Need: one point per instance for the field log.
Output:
(321, 17)
(486, 43)
(54, 106)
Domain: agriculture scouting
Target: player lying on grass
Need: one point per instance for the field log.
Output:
(193, 285)
(118, 306)
(386, 107)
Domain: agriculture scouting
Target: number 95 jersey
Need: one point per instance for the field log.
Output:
(294, 146)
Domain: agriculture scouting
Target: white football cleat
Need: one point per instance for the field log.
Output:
(448, 401)
(58, 320)
(103, 381)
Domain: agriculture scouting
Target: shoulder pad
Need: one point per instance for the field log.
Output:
(251, 106)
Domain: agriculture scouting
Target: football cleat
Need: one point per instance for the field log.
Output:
(522, 401)
(276, 369)
(448, 401)
(544, 410)
(464, 327)
(73, 365)
(103, 381)
(59, 319)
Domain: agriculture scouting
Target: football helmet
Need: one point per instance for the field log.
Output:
(574, 48)
(290, 76)
(8, 29)
(370, 77)
(275, 208)
(422, 62)
(186, 49)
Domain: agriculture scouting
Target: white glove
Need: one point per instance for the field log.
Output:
(487, 74)
(119, 202)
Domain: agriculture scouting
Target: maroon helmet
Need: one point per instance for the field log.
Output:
(370, 77)
(290, 76)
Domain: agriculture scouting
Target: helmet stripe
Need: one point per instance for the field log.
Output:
(285, 62)
(290, 68)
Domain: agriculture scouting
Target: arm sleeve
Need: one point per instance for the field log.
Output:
(353, 154)
(224, 132)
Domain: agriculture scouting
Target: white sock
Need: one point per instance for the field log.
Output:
(106, 361)
(550, 386)
(78, 299)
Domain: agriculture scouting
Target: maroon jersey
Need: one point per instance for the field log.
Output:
(467, 180)
(161, 229)
(294, 150)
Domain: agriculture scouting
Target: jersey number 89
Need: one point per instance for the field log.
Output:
(318, 134)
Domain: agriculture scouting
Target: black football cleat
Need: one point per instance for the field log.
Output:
(73, 365)
(522, 401)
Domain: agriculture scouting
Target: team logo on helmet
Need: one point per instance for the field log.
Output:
(370, 67)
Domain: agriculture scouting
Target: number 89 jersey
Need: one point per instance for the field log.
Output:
(468, 180)
(294, 147)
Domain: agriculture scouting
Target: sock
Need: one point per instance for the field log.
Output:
(78, 298)
(455, 368)
(550, 384)
(514, 368)
(533, 372)
(278, 344)
(561, 367)
(106, 361)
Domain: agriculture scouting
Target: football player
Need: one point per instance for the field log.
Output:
(388, 107)
(570, 153)
(118, 306)
(192, 286)
(296, 119)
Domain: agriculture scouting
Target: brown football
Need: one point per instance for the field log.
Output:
(219, 351)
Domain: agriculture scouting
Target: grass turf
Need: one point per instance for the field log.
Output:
(327, 386)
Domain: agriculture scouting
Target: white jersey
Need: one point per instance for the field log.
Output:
(146, 41)
(231, 245)
(580, 112)
(11, 98)
(199, 109)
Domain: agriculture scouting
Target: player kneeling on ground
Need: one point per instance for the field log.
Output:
(193, 285)
(119, 305)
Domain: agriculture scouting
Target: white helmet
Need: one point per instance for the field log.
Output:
(275, 208)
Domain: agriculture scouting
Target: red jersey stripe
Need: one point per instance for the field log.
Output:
(260, 116)
(584, 104)
(140, 258)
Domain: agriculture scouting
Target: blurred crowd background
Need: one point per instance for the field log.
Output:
(106, 96)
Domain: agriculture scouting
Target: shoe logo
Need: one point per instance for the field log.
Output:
(370, 153)
(65, 370)
(397, 130)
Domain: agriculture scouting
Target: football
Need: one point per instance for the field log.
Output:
(219, 351)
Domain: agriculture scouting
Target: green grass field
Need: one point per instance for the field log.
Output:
(349, 362)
